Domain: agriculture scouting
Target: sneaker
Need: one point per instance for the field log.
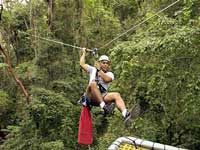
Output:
(127, 117)
(108, 108)
(133, 114)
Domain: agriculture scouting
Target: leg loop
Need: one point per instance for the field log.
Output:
(86, 101)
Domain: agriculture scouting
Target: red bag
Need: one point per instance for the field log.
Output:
(85, 136)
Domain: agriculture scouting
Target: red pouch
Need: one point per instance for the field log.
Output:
(85, 136)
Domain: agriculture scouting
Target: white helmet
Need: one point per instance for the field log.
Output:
(104, 57)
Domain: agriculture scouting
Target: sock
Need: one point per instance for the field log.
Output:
(102, 104)
(124, 112)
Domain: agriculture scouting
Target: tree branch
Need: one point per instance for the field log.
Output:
(5, 52)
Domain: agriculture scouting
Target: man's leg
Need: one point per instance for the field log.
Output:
(116, 97)
(96, 96)
(94, 93)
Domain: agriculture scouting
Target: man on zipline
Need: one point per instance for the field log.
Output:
(100, 79)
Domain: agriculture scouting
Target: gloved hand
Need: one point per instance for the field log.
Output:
(97, 65)
(83, 51)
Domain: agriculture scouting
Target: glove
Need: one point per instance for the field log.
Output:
(83, 51)
(97, 65)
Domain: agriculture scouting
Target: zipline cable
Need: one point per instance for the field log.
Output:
(95, 49)
(62, 43)
(58, 42)
(137, 25)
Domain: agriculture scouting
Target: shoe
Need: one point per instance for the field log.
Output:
(127, 117)
(108, 108)
(133, 114)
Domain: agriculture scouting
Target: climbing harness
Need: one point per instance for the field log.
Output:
(1, 8)
(100, 86)
(86, 101)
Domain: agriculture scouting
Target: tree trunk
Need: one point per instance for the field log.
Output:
(50, 4)
(33, 29)
(78, 29)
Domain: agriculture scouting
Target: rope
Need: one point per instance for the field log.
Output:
(138, 25)
(94, 50)
(58, 42)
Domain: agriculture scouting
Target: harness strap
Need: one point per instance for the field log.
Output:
(101, 88)
(86, 102)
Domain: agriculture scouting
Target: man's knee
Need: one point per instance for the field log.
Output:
(117, 95)
(93, 85)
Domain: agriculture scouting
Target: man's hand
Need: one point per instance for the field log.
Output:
(83, 51)
(97, 65)
(83, 65)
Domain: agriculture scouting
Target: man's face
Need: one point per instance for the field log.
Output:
(104, 65)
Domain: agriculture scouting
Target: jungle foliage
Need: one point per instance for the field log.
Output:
(157, 65)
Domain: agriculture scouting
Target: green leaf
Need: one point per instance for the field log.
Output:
(3, 65)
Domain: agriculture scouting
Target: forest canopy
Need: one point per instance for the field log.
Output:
(156, 64)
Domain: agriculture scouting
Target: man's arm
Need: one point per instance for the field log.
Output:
(83, 65)
(105, 77)
(102, 74)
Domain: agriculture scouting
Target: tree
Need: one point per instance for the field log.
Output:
(159, 69)
(156, 65)
(6, 54)
(50, 4)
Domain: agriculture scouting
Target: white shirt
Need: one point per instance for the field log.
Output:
(92, 73)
